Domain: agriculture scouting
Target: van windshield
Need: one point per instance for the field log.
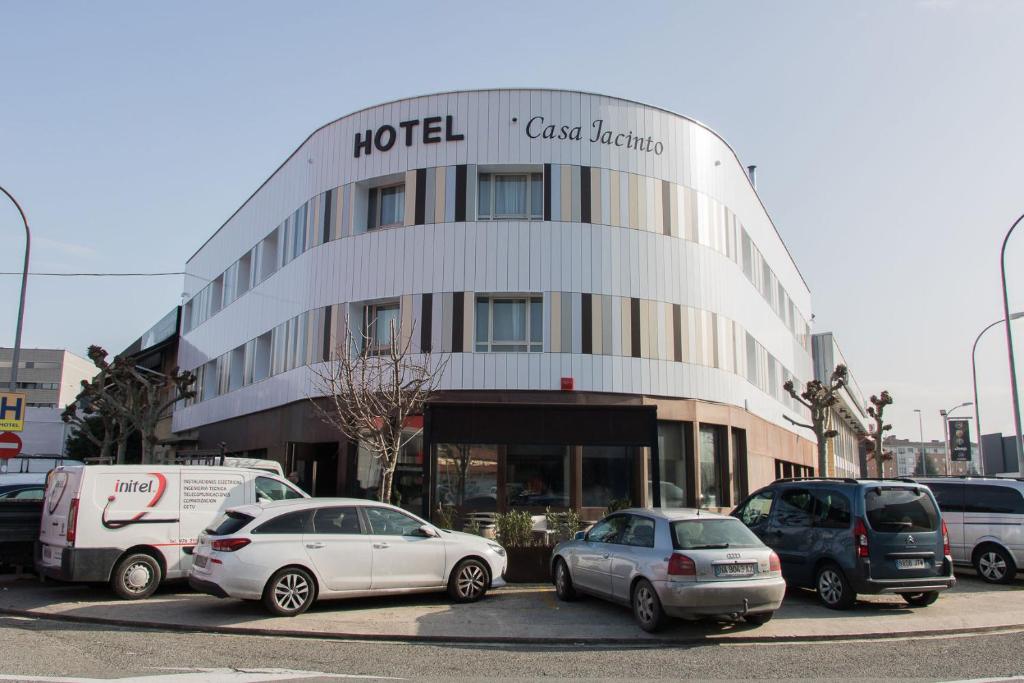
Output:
(901, 509)
(229, 523)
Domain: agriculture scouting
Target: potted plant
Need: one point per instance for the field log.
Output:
(527, 562)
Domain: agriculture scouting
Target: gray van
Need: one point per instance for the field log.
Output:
(985, 517)
(842, 537)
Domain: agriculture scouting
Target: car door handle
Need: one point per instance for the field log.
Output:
(381, 546)
(606, 556)
(314, 546)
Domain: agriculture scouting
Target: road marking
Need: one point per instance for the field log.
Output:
(220, 675)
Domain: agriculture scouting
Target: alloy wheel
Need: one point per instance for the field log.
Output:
(830, 586)
(644, 603)
(992, 565)
(471, 581)
(137, 577)
(291, 592)
(560, 578)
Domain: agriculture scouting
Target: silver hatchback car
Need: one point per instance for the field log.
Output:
(672, 563)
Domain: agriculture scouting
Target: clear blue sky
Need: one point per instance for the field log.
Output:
(887, 136)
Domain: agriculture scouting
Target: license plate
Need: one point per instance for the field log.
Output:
(201, 561)
(910, 564)
(735, 569)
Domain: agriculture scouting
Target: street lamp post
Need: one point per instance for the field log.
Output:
(945, 434)
(974, 378)
(1009, 346)
(24, 285)
(924, 456)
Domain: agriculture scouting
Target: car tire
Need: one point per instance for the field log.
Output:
(564, 589)
(834, 590)
(920, 599)
(760, 618)
(289, 592)
(469, 581)
(136, 576)
(994, 565)
(647, 607)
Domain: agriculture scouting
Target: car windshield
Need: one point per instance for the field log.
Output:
(228, 523)
(901, 509)
(707, 534)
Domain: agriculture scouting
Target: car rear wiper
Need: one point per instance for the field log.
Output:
(710, 546)
(900, 525)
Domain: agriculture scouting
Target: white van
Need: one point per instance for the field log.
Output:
(137, 525)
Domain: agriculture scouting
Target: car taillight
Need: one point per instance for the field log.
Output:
(72, 529)
(774, 563)
(230, 545)
(681, 565)
(860, 538)
(945, 539)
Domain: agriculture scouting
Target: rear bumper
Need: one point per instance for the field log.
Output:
(208, 587)
(921, 585)
(711, 598)
(78, 564)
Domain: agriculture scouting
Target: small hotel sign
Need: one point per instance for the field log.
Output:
(538, 128)
(385, 137)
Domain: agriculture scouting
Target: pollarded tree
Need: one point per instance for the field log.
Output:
(875, 441)
(370, 389)
(819, 398)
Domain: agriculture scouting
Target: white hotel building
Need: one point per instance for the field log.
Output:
(618, 310)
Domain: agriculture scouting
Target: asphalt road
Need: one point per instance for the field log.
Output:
(32, 648)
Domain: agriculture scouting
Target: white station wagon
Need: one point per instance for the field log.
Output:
(290, 553)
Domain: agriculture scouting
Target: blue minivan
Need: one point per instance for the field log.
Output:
(842, 537)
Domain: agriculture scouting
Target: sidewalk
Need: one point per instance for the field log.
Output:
(523, 613)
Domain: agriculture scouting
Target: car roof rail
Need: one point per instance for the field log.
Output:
(848, 480)
(906, 480)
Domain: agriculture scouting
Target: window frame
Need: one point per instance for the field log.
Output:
(365, 510)
(633, 519)
(306, 526)
(528, 344)
(378, 206)
(371, 312)
(363, 527)
(286, 485)
(532, 213)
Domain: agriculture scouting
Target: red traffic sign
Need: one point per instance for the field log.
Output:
(10, 445)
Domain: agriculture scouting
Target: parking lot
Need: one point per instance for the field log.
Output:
(527, 613)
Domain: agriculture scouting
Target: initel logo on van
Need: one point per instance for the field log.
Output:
(137, 486)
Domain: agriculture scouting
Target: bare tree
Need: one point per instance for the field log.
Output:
(151, 395)
(875, 441)
(819, 397)
(370, 389)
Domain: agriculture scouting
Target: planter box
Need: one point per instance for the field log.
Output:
(529, 565)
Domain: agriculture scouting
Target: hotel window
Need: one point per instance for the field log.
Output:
(509, 323)
(386, 206)
(377, 325)
(511, 196)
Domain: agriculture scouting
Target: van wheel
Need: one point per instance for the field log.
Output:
(920, 599)
(136, 577)
(834, 591)
(289, 592)
(647, 607)
(563, 582)
(469, 581)
(994, 565)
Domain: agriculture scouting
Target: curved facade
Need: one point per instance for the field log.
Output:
(533, 235)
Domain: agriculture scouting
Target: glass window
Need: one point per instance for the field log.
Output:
(608, 529)
(607, 475)
(756, 510)
(795, 508)
(509, 324)
(272, 489)
(710, 492)
(407, 486)
(379, 320)
(341, 520)
(901, 509)
(831, 510)
(639, 532)
(950, 497)
(537, 476)
(388, 522)
(288, 523)
(510, 195)
(697, 534)
(391, 202)
(229, 523)
(994, 500)
(467, 476)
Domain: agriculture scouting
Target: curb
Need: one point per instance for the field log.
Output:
(491, 640)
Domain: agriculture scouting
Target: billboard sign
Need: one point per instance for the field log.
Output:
(959, 440)
(12, 411)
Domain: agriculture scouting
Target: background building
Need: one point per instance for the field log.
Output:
(907, 455)
(51, 379)
(849, 418)
(618, 309)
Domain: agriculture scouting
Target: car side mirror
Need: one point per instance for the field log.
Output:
(580, 536)
(426, 531)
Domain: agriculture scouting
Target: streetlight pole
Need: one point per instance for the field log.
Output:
(24, 285)
(974, 378)
(1009, 346)
(924, 456)
(945, 434)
